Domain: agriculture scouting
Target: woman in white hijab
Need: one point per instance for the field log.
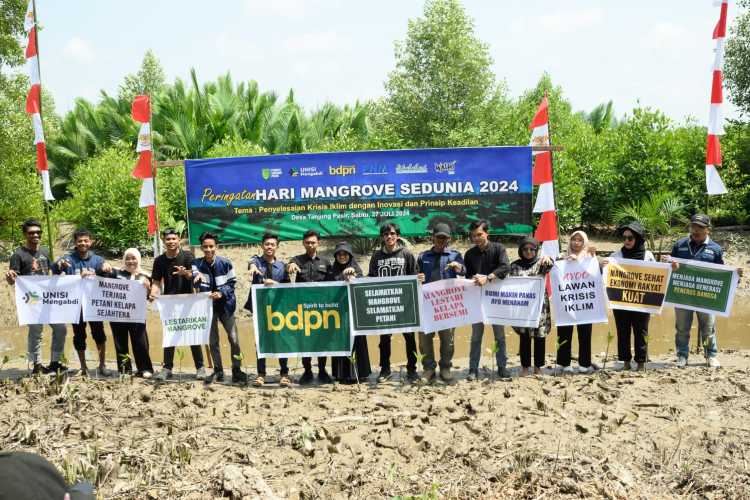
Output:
(131, 270)
(578, 249)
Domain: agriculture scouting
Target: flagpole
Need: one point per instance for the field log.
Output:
(41, 121)
(157, 241)
(552, 167)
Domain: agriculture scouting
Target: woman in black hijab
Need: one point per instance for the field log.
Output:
(633, 247)
(344, 268)
(531, 264)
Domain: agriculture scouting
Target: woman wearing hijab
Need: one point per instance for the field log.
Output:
(131, 270)
(530, 264)
(633, 247)
(578, 249)
(344, 268)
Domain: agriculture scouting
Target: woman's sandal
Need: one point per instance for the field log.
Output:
(285, 381)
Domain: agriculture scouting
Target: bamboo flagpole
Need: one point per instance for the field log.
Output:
(34, 108)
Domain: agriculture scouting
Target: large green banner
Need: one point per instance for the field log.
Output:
(385, 305)
(704, 287)
(303, 319)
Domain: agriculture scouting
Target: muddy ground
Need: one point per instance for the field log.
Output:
(665, 433)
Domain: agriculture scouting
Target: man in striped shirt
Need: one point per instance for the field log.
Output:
(215, 274)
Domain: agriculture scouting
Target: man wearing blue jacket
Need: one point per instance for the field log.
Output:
(215, 274)
(84, 262)
(697, 246)
(438, 263)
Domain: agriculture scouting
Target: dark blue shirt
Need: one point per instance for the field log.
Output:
(217, 277)
(76, 264)
(275, 271)
(708, 251)
(429, 259)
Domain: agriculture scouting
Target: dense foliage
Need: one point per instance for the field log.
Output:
(441, 93)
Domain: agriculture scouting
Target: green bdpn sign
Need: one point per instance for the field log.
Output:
(304, 319)
(702, 287)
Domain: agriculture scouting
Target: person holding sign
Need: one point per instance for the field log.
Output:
(84, 262)
(345, 268)
(267, 270)
(697, 246)
(214, 274)
(308, 268)
(33, 259)
(529, 264)
(172, 275)
(633, 247)
(486, 261)
(393, 259)
(438, 263)
(131, 270)
(578, 250)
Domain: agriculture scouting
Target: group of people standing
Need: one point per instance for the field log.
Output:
(177, 271)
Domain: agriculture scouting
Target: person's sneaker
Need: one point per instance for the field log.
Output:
(567, 369)
(412, 376)
(714, 362)
(164, 374)
(38, 369)
(446, 375)
(259, 381)
(306, 378)
(239, 377)
(324, 378)
(585, 369)
(384, 375)
(428, 375)
(214, 377)
(147, 374)
(503, 372)
(56, 367)
(681, 361)
(200, 373)
(473, 375)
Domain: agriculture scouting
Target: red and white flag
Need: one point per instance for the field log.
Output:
(541, 176)
(141, 112)
(34, 99)
(714, 184)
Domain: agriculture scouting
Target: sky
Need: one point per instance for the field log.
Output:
(656, 53)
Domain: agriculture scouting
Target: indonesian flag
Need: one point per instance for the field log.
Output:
(34, 99)
(141, 112)
(714, 184)
(541, 176)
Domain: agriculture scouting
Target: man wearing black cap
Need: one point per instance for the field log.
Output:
(696, 246)
(438, 263)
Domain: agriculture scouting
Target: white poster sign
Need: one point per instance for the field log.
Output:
(513, 301)
(578, 292)
(114, 300)
(450, 303)
(45, 300)
(185, 318)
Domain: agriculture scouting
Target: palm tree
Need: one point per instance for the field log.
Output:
(658, 213)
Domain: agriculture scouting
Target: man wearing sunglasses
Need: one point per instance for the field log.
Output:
(33, 259)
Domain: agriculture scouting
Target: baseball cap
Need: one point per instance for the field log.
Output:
(441, 229)
(701, 220)
(27, 475)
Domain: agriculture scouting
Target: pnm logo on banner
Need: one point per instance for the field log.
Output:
(31, 298)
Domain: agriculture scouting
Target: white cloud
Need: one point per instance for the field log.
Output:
(569, 22)
(667, 34)
(236, 49)
(327, 41)
(79, 50)
(281, 8)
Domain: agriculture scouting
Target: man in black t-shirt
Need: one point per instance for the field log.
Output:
(172, 271)
(33, 259)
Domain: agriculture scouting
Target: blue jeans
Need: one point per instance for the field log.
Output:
(706, 332)
(475, 353)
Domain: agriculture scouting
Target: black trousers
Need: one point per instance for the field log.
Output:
(636, 322)
(411, 352)
(525, 348)
(79, 333)
(139, 338)
(565, 340)
(307, 363)
(196, 351)
(283, 365)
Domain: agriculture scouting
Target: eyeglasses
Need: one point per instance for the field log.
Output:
(629, 237)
